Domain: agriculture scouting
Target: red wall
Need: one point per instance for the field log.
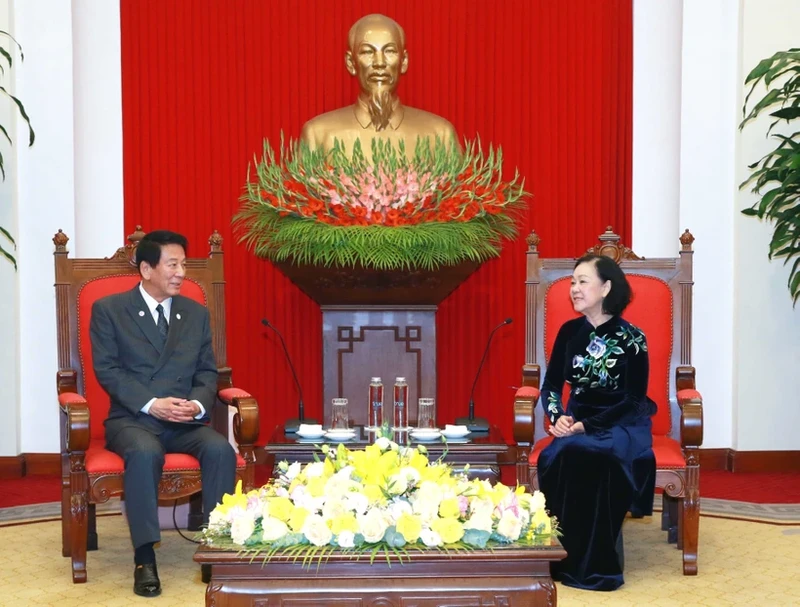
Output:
(204, 83)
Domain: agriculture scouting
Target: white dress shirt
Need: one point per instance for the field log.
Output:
(167, 306)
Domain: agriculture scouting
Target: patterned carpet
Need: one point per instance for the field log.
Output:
(741, 563)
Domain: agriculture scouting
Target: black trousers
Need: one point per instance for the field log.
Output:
(143, 452)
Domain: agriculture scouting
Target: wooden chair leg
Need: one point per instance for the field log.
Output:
(78, 525)
(66, 542)
(91, 538)
(690, 521)
(195, 522)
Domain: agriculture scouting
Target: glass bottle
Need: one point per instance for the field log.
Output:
(400, 404)
(375, 420)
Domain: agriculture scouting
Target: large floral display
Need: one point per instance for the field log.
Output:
(384, 498)
(440, 206)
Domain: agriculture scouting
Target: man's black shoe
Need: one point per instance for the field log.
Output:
(145, 580)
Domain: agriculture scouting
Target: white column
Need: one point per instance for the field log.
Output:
(97, 83)
(9, 278)
(47, 203)
(709, 109)
(767, 325)
(656, 126)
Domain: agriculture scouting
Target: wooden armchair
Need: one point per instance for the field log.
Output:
(662, 308)
(89, 473)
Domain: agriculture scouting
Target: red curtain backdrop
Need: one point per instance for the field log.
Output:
(203, 83)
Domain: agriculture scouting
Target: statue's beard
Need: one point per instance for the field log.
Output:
(380, 106)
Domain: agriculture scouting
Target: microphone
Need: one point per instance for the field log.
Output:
(479, 424)
(291, 425)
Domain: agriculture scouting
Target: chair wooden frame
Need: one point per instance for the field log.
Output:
(681, 485)
(81, 490)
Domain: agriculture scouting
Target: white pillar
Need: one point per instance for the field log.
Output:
(97, 82)
(709, 110)
(9, 278)
(657, 29)
(47, 203)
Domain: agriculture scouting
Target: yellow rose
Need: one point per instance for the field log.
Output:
(316, 486)
(344, 522)
(280, 507)
(449, 529)
(329, 469)
(409, 526)
(540, 517)
(298, 518)
(418, 461)
(448, 508)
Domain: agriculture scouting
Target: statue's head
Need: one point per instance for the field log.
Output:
(377, 55)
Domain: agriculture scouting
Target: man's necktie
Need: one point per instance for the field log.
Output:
(163, 325)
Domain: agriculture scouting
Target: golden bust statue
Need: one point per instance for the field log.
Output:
(377, 57)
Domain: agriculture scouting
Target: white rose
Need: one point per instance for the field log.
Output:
(430, 538)
(383, 443)
(346, 539)
(345, 473)
(481, 506)
(273, 528)
(316, 530)
(217, 521)
(293, 470)
(242, 528)
(537, 501)
(333, 508)
(357, 502)
(397, 509)
(481, 521)
(397, 485)
(510, 526)
(372, 525)
(315, 469)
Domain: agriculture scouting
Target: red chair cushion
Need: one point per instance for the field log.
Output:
(667, 451)
(90, 292)
(100, 460)
(651, 311)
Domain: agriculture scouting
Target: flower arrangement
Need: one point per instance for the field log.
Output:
(383, 498)
(439, 207)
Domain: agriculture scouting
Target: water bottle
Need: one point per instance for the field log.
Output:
(375, 404)
(400, 404)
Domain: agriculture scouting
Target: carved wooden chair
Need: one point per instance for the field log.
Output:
(89, 473)
(662, 308)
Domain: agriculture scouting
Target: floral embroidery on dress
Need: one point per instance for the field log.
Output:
(553, 406)
(601, 357)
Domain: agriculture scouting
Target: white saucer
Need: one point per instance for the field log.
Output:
(426, 434)
(455, 431)
(311, 433)
(340, 435)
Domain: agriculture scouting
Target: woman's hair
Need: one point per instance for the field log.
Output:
(620, 294)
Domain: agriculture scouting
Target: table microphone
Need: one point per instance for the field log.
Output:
(479, 424)
(291, 425)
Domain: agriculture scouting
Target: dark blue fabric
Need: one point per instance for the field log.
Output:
(592, 480)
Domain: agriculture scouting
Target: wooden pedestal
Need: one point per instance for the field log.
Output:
(507, 577)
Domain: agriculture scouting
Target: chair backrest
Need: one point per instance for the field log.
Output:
(81, 282)
(661, 307)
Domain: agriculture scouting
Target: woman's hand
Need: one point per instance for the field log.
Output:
(562, 427)
(577, 428)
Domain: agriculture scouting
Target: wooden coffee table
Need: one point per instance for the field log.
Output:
(481, 451)
(507, 576)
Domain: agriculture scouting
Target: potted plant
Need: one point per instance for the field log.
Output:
(776, 177)
(31, 135)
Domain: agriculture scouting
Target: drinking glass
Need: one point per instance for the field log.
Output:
(426, 416)
(339, 417)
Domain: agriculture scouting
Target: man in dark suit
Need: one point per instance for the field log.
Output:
(152, 353)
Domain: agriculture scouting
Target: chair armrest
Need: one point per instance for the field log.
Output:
(691, 403)
(525, 414)
(76, 410)
(245, 422)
